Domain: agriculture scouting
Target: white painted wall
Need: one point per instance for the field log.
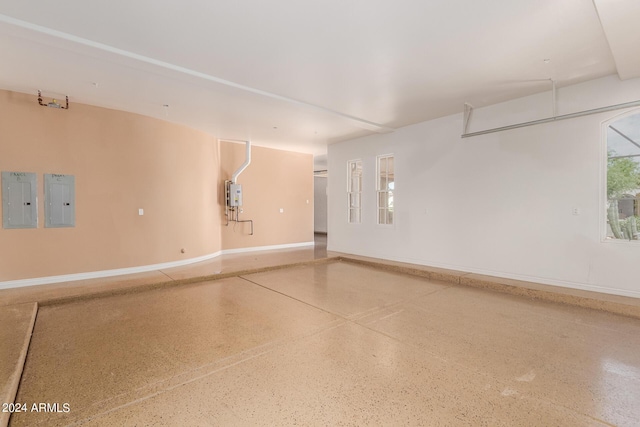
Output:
(320, 204)
(498, 204)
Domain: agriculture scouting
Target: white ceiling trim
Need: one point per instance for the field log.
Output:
(361, 123)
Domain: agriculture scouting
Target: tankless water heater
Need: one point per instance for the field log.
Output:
(235, 195)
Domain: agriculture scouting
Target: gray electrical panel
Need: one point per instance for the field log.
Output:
(59, 200)
(19, 200)
(235, 195)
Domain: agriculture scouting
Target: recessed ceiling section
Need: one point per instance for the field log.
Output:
(90, 47)
(621, 23)
(322, 72)
(130, 85)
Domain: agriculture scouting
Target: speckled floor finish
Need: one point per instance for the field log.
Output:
(331, 343)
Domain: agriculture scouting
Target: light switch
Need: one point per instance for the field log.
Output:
(140, 212)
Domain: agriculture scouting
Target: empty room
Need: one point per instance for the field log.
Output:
(320, 213)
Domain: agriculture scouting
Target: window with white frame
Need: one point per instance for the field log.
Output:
(354, 191)
(623, 178)
(385, 186)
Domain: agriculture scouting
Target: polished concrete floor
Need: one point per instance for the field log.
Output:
(329, 343)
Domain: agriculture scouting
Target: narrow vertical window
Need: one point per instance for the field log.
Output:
(385, 186)
(623, 178)
(354, 191)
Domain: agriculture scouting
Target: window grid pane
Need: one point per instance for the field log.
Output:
(354, 191)
(382, 216)
(385, 185)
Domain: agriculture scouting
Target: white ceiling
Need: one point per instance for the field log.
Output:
(299, 75)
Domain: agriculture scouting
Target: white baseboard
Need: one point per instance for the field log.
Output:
(141, 269)
(267, 248)
(499, 274)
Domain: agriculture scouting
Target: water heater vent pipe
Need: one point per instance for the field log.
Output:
(233, 202)
(242, 167)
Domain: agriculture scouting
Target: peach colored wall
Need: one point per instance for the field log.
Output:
(275, 179)
(121, 162)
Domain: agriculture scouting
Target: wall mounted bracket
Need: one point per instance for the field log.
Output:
(468, 111)
(54, 102)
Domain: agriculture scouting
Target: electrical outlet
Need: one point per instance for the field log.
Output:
(576, 211)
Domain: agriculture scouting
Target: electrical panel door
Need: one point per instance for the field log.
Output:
(19, 200)
(59, 199)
